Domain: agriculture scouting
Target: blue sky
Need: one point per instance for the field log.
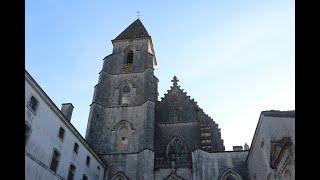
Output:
(235, 58)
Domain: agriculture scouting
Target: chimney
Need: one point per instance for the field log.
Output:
(237, 148)
(66, 110)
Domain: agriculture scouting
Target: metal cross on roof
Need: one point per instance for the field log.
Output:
(175, 81)
(138, 14)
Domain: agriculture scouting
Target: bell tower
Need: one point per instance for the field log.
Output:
(122, 114)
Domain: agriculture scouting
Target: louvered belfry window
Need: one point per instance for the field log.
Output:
(130, 57)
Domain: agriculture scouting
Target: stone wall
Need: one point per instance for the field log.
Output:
(44, 124)
(135, 166)
(213, 165)
(141, 129)
(185, 173)
(270, 130)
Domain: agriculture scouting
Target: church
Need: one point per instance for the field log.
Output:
(135, 136)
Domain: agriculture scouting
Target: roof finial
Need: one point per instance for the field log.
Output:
(138, 14)
(175, 81)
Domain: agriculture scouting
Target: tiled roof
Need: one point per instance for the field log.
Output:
(134, 30)
(274, 113)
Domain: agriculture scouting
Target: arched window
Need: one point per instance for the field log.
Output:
(119, 176)
(177, 152)
(129, 57)
(230, 174)
(122, 129)
(125, 95)
(230, 177)
(287, 175)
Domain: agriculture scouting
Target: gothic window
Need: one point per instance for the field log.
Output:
(72, 170)
(287, 175)
(177, 151)
(125, 95)
(27, 133)
(173, 176)
(129, 57)
(177, 115)
(230, 175)
(119, 176)
(278, 149)
(55, 160)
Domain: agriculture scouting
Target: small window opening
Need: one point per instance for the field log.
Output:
(125, 95)
(33, 103)
(130, 57)
(72, 170)
(84, 177)
(61, 133)
(55, 160)
(75, 148)
(126, 89)
(27, 133)
(123, 138)
(98, 167)
(88, 161)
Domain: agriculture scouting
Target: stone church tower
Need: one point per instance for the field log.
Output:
(136, 135)
(122, 114)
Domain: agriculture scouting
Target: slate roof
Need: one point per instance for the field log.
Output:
(134, 30)
(273, 113)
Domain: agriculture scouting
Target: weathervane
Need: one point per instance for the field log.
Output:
(138, 14)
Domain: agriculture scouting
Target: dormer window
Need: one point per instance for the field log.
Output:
(129, 57)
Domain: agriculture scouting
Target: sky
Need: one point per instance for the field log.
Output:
(235, 58)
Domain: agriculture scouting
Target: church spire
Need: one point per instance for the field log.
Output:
(133, 31)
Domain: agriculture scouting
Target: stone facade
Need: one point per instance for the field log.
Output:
(126, 118)
(272, 153)
(135, 136)
(182, 127)
(122, 114)
(43, 121)
(219, 165)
